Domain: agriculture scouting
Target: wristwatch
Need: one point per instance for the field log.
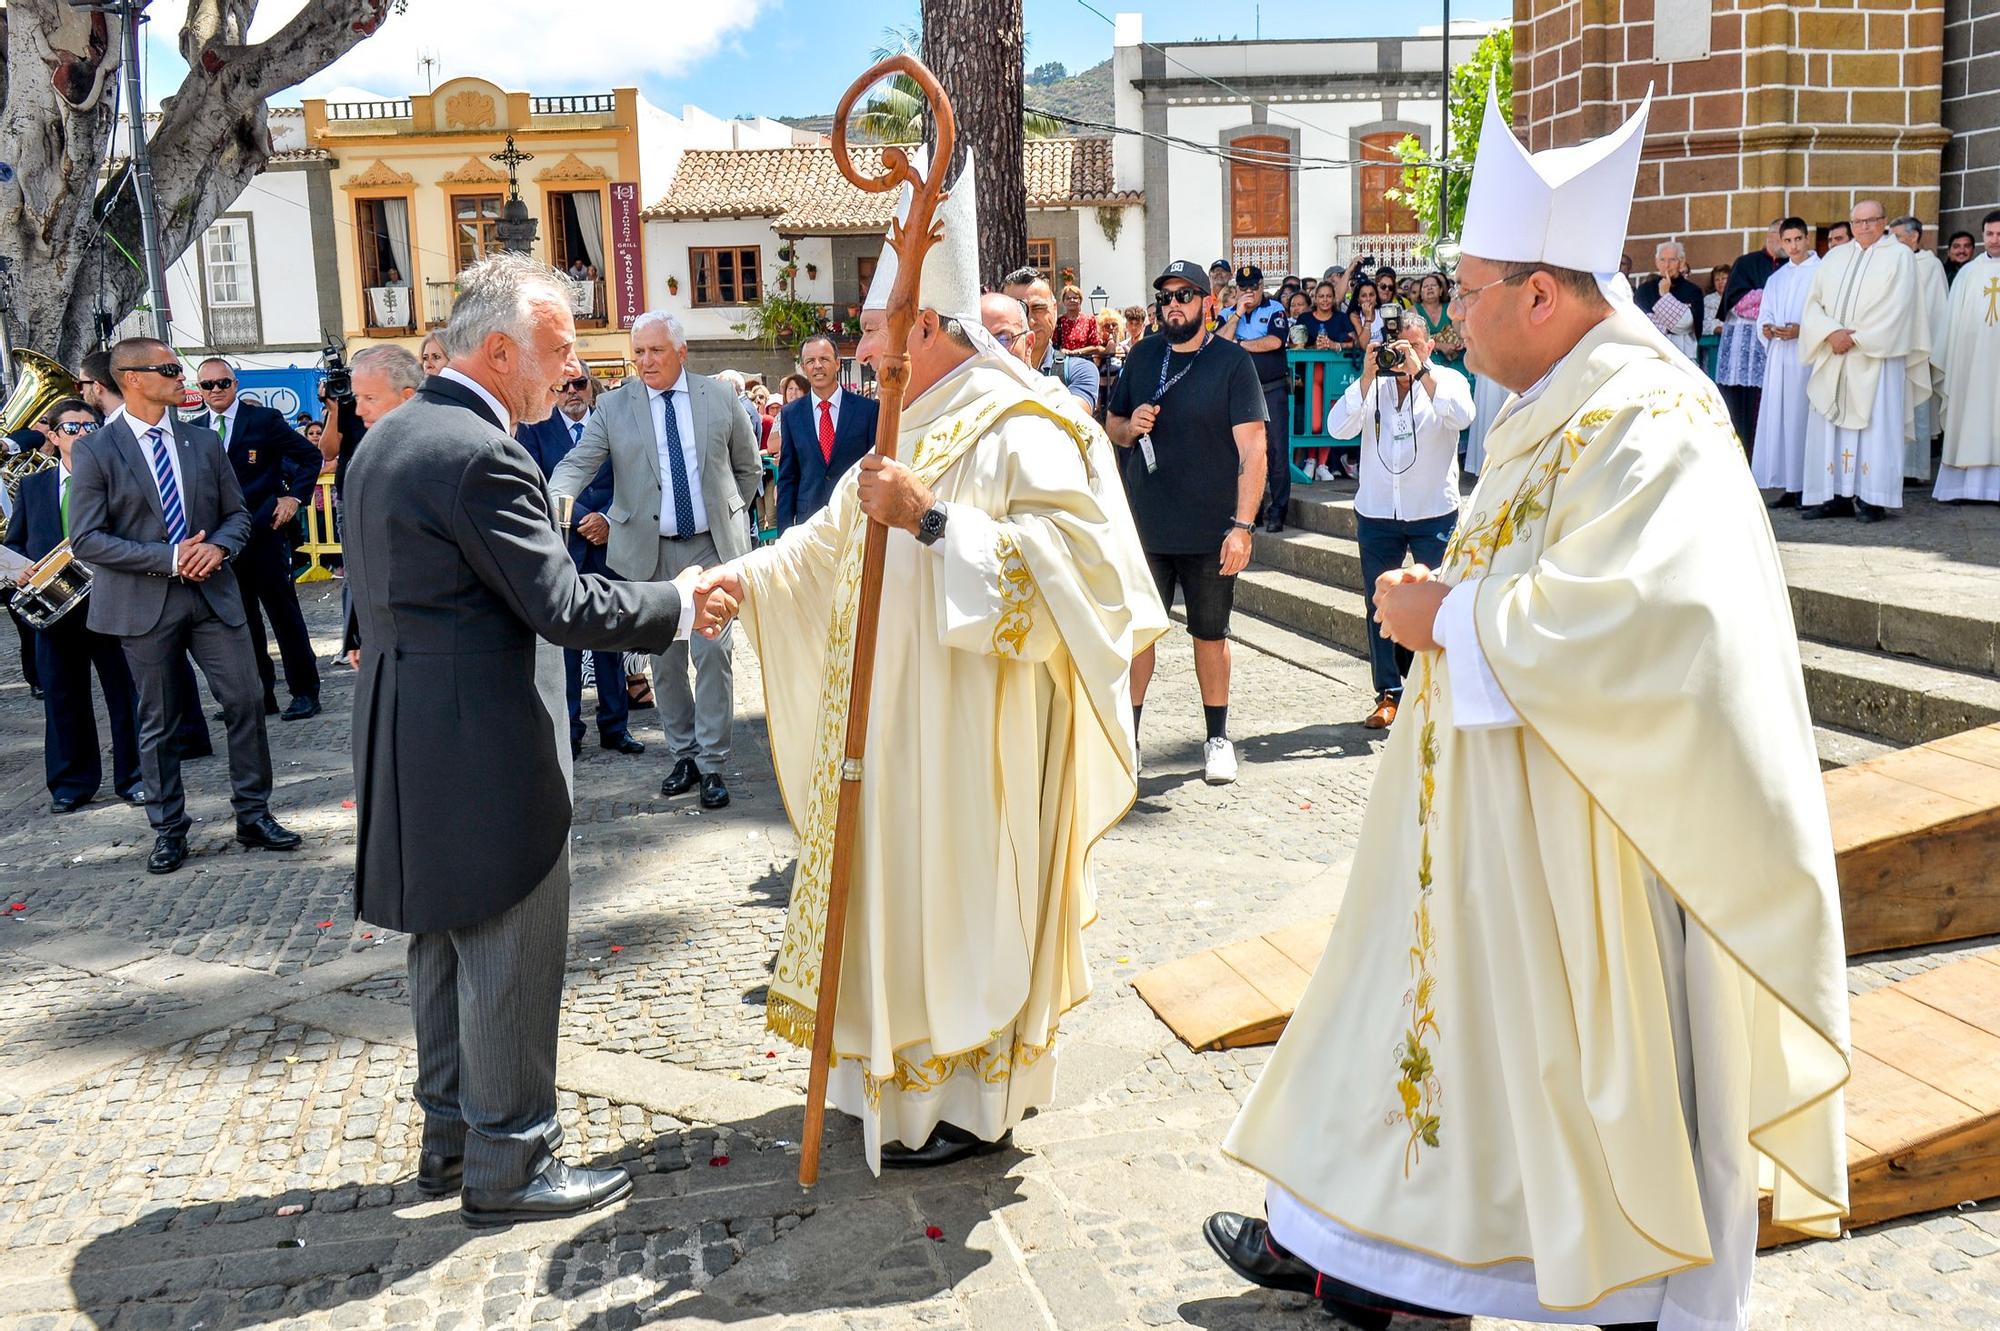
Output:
(930, 527)
(1241, 525)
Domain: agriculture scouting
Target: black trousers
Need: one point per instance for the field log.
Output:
(1743, 404)
(30, 667)
(264, 571)
(66, 652)
(1277, 451)
(486, 1001)
(159, 664)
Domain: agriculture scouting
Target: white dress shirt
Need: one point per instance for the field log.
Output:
(683, 409)
(833, 402)
(230, 417)
(575, 428)
(1409, 446)
(138, 429)
(500, 413)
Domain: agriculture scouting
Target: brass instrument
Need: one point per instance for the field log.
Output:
(57, 584)
(39, 383)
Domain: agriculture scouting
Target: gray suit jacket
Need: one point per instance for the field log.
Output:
(117, 528)
(622, 429)
(462, 593)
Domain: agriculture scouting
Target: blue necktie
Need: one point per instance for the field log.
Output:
(670, 430)
(575, 433)
(170, 493)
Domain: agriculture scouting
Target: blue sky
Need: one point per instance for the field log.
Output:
(739, 57)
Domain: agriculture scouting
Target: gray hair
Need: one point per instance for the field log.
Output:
(499, 294)
(393, 363)
(733, 378)
(1674, 245)
(1909, 224)
(671, 326)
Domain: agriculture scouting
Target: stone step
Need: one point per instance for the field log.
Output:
(1335, 560)
(1324, 611)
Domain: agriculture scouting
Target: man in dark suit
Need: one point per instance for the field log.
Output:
(820, 436)
(460, 582)
(67, 650)
(549, 442)
(155, 511)
(277, 468)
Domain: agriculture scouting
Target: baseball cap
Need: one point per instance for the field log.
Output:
(1249, 275)
(1187, 272)
(1223, 264)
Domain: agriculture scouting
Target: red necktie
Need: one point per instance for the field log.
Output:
(826, 430)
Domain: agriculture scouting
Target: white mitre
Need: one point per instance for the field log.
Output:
(950, 283)
(1567, 207)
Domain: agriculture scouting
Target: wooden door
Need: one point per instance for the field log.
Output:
(1260, 200)
(1381, 215)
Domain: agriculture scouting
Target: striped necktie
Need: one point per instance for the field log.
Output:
(682, 492)
(170, 493)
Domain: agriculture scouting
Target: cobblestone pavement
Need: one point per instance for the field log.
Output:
(205, 1118)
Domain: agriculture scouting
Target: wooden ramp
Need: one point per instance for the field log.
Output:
(1923, 1109)
(1916, 838)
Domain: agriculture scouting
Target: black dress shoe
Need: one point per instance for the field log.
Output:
(1789, 499)
(620, 744)
(685, 777)
(1833, 508)
(35, 692)
(301, 708)
(714, 793)
(1867, 512)
(60, 805)
(439, 1175)
(559, 1190)
(947, 1144)
(265, 833)
(576, 748)
(1246, 1246)
(1275, 525)
(169, 851)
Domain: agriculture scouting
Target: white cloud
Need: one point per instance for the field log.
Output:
(576, 46)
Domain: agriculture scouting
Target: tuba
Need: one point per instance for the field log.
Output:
(39, 383)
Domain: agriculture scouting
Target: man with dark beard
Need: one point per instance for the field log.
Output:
(1189, 413)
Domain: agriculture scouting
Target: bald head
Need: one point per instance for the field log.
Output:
(1007, 319)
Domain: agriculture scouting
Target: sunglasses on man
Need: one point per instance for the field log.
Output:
(214, 385)
(171, 370)
(75, 428)
(1179, 296)
(575, 385)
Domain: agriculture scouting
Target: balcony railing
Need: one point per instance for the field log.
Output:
(438, 298)
(1273, 254)
(596, 103)
(586, 300)
(397, 110)
(234, 326)
(1399, 250)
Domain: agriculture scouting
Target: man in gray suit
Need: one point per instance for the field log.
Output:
(461, 747)
(155, 511)
(684, 469)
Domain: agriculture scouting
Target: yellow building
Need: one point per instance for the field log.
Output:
(417, 195)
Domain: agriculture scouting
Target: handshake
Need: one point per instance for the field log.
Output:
(716, 594)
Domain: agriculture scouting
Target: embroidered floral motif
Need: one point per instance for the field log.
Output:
(1017, 596)
(1419, 1088)
(992, 1063)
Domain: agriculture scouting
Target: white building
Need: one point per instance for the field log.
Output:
(1243, 149)
(734, 220)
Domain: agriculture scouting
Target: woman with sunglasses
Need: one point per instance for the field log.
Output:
(67, 651)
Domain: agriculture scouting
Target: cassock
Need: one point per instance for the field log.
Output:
(1971, 407)
(999, 751)
(1778, 462)
(1585, 997)
(1739, 352)
(1862, 401)
(1934, 294)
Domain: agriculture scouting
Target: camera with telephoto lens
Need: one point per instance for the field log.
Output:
(1387, 357)
(339, 381)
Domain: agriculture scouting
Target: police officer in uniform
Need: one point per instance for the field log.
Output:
(1258, 325)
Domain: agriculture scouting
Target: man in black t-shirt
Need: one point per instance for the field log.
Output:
(1260, 326)
(1189, 414)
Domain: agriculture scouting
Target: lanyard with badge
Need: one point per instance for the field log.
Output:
(1160, 393)
(1402, 426)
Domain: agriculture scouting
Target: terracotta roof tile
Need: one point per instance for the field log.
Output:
(802, 191)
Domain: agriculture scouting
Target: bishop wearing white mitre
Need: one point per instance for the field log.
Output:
(1585, 998)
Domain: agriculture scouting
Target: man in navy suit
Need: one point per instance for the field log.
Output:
(548, 443)
(277, 468)
(820, 436)
(67, 650)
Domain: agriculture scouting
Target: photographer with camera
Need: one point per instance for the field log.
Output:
(1407, 413)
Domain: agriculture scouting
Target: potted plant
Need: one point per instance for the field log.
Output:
(812, 272)
(673, 285)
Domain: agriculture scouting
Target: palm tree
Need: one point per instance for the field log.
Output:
(896, 114)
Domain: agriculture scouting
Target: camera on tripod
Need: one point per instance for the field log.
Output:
(1387, 356)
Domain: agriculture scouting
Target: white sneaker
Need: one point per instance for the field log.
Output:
(1324, 473)
(1218, 762)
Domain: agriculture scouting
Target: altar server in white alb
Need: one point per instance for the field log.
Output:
(1934, 299)
(1971, 465)
(1558, 1044)
(1778, 462)
(1863, 337)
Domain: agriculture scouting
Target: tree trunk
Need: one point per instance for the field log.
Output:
(60, 267)
(975, 49)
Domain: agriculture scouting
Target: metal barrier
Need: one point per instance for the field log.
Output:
(1325, 375)
(319, 542)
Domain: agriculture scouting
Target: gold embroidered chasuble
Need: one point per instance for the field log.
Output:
(999, 752)
(1483, 1068)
